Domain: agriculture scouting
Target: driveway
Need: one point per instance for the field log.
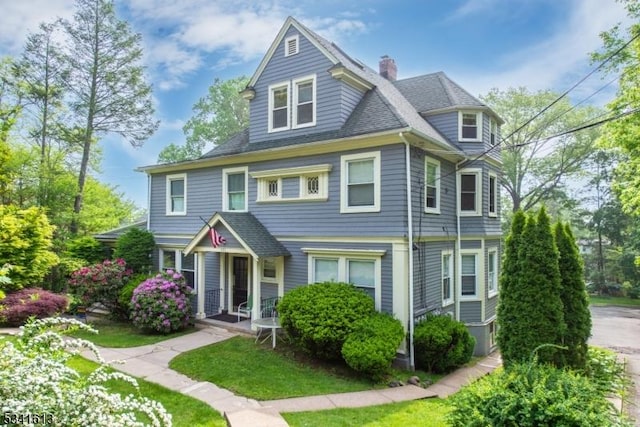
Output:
(618, 328)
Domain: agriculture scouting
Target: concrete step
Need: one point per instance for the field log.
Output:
(263, 417)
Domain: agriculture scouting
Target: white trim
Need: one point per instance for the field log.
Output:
(436, 209)
(478, 115)
(452, 298)
(323, 187)
(287, 41)
(278, 267)
(496, 197)
(344, 172)
(400, 280)
(289, 172)
(345, 252)
(272, 89)
(294, 105)
(478, 274)
(264, 190)
(225, 196)
(496, 273)
(478, 194)
(169, 180)
(493, 124)
(303, 172)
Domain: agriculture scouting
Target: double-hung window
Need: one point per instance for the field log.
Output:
(447, 278)
(304, 100)
(492, 272)
(470, 192)
(431, 186)
(279, 107)
(174, 259)
(362, 268)
(360, 186)
(469, 268)
(176, 194)
(234, 189)
(493, 195)
(470, 126)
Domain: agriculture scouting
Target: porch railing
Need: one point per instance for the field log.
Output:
(211, 302)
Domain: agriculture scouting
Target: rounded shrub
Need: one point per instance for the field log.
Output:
(372, 345)
(17, 307)
(161, 303)
(126, 293)
(442, 344)
(320, 317)
(136, 248)
(531, 395)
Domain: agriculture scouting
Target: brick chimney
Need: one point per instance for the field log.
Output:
(388, 68)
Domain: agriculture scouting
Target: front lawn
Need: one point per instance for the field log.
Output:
(186, 411)
(425, 413)
(123, 334)
(607, 300)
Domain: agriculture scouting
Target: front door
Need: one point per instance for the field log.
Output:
(240, 280)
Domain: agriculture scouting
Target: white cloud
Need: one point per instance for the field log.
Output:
(19, 18)
(560, 60)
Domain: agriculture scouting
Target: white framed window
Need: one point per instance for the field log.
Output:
(291, 46)
(470, 192)
(493, 195)
(447, 278)
(176, 194)
(271, 270)
(313, 183)
(492, 272)
(362, 268)
(493, 131)
(269, 189)
(174, 259)
(431, 185)
(360, 182)
(279, 107)
(304, 102)
(470, 126)
(234, 189)
(469, 275)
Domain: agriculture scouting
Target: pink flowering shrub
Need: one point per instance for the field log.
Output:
(17, 307)
(161, 303)
(102, 283)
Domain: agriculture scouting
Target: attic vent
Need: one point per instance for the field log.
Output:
(291, 45)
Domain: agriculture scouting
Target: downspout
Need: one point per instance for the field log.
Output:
(148, 202)
(410, 256)
(457, 292)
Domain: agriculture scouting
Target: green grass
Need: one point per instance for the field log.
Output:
(123, 334)
(186, 411)
(424, 413)
(261, 373)
(621, 301)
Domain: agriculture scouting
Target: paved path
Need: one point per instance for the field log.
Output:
(151, 362)
(618, 328)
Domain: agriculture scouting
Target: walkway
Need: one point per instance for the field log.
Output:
(151, 362)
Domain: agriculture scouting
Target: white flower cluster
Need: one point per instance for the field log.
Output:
(34, 379)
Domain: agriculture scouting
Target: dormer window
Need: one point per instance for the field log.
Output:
(304, 99)
(279, 107)
(291, 46)
(470, 126)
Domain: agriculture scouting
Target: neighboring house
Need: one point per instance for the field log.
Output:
(343, 174)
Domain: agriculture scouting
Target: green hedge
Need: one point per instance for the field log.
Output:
(372, 345)
(442, 344)
(320, 317)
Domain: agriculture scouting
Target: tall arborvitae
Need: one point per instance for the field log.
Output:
(574, 298)
(507, 316)
(532, 313)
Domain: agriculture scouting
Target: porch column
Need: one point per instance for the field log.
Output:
(200, 284)
(255, 293)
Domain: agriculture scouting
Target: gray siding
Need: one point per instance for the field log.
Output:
(446, 124)
(481, 334)
(490, 307)
(427, 267)
(334, 100)
(471, 311)
(309, 218)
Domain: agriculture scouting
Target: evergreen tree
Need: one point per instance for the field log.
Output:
(574, 297)
(532, 313)
(507, 317)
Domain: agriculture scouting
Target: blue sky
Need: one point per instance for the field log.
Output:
(481, 44)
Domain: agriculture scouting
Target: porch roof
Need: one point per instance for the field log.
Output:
(249, 232)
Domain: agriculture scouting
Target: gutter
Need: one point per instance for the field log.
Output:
(457, 288)
(410, 250)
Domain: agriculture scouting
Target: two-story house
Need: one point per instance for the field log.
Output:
(344, 174)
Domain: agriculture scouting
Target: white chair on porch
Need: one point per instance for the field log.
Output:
(245, 307)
